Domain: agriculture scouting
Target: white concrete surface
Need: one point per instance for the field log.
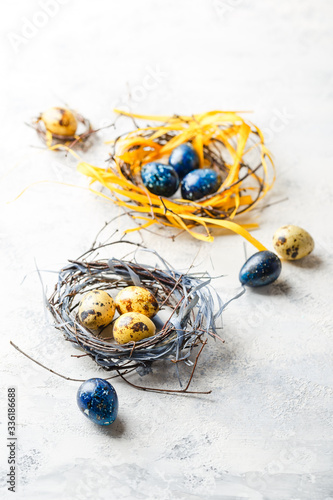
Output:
(265, 432)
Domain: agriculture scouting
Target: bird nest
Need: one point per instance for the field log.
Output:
(224, 141)
(191, 306)
(56, 141)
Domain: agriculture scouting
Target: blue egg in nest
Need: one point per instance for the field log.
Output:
(261, 269)
(160, 179)
(184, 159)
(98, 401)
(200, 183)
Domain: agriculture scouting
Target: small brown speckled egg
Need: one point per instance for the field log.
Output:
(60, 121)
(292, 242)
(136, 299)
(96, 309)
(132, 327)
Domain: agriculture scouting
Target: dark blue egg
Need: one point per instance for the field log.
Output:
(184, 159)
(98, 401)
(261, 269)
(199, 183)
(160, 179)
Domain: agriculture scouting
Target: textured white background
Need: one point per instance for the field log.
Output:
(265, 432)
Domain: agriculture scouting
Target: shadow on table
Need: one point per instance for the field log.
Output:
(309, 262)
(115, 430)
(279, 287)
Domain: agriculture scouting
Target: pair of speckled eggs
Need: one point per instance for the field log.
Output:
(290, 243)
(135, 304)
(183, 169)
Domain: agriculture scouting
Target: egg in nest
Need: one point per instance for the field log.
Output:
(60, 121)
(160, 179)
(96, 309)
(200, 183)
(184, 159)
(132, 327)
(136, 299)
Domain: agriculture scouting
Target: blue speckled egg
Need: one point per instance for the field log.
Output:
(184, 159)
(199, 183)
(98, 401)
(160, 179)
(261, 269)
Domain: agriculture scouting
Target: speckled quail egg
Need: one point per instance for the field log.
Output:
(184, 159)
(160, 179)
(292, 242)
(60, 121)
(132, 327)
(261, 269)
(136, 299)
(96, 309)
(98, 401)
(199, 183)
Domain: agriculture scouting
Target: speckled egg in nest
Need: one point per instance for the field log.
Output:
(60, 126)
(192, 307)
(146, 163)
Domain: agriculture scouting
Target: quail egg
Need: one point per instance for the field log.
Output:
(184, 159)
(199, 183)
(98, 401)
(292, 242)
(96, 309)
(132, 327)
(136, 299)
(160, 179)
(60, 121)
(260, 269)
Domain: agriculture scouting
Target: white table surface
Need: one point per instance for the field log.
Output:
(265, 432)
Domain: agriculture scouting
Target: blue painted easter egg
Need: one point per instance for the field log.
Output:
(184, 159)
(160, 179)
(199, 183)
(98, 401)
(261, 269)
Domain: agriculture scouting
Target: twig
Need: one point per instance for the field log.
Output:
(56, 373)
(172, 391)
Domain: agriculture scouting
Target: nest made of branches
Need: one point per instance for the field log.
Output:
(55, 141)
(193, 311)
(224, 141)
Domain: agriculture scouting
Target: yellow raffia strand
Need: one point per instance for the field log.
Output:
(142, 146)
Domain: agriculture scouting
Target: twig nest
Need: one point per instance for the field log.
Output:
(98, 401)
(60, 126)
(292, 242)
(133, 327)
(189, 310)
(96, 309)
(136, 299)
(222, 141)
(60, 121)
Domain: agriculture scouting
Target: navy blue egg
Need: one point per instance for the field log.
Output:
(199, 183)
(160, 179)
(98, 401)
(184, 159)
(261, 269)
